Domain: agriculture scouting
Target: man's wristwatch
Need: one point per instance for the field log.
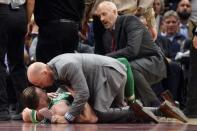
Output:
(70, 118)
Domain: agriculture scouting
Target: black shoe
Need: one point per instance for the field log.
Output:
(16, 116)
(142, 112)
(4, 115)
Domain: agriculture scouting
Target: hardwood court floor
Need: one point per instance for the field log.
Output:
(168, 125)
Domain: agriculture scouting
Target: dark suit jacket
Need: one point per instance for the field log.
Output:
(134, 42)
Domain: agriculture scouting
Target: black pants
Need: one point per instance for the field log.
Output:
(175, 83)
(13, 24)
(116, 115)
(56, 38)
(144, 90)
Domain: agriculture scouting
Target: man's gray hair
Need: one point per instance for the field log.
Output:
(109, 4)
(171, 13)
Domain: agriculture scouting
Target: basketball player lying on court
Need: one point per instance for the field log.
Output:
(40, 107)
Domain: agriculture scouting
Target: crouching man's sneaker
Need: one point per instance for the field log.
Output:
(169, 110)
(142, 112)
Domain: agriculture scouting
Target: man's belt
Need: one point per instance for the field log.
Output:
(61, 21)
(44, 22)
(8, 6)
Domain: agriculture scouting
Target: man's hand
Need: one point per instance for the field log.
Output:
(52, 94)
(85, 29)
(59, 119)
(72, 91)
(29, 29)
(83, 37)
(168, 60)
